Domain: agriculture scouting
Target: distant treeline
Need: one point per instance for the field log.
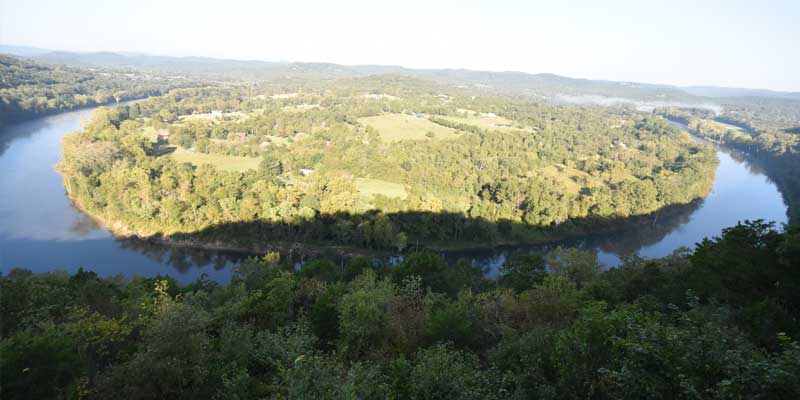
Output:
(29, 89)
(774, 144)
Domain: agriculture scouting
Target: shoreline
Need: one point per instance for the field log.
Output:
(312, 248)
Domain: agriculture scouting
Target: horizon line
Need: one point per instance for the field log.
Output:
(125, 53)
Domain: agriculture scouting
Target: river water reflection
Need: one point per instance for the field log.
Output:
(40, 229)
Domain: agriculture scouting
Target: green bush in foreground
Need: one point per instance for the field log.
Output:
(719, 323)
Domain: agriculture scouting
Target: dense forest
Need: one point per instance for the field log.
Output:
(718, 322)
(318, 155)
(29, 89)
(375, 162)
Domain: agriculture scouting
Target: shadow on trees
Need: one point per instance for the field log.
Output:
(383, 236)
(781, 169)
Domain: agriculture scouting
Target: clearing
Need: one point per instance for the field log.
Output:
(213, 116)
(566, 177)
(300, 108)
(396, 127)
(370, 187)
(220, 161)
(484, 120)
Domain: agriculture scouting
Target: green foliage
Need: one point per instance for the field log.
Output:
(29, 89)
(443, 373)
(708, 324)
(522, 272)
(325, 175)
(362, 314)
(39, 365)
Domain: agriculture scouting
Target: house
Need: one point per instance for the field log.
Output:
(162, 136)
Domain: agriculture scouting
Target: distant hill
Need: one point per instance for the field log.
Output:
(22, 51)
(714, 91)
(547, 87)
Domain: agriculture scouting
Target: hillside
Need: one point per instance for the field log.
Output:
(30, 89)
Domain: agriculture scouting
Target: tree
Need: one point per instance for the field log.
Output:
(581, 266)
(522, 272)
(271, 165)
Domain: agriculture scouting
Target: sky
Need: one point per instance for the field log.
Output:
(733, 43)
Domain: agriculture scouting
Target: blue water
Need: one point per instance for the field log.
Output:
(40, 230)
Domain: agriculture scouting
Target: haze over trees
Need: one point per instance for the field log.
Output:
(31, 89)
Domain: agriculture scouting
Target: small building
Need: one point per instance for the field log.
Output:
(162, 136)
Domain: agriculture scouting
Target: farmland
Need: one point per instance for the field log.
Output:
(220, 161)
(397, 127)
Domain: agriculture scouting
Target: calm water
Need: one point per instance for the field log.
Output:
(41, 230)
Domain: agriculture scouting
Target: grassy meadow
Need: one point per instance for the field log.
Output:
(368, 188)
(396, 127)
(220, 161)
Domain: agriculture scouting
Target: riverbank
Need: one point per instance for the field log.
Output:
(43, 230)
(780, 167)
(664, 217)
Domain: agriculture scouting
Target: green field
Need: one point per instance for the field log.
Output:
(723, 126)
(370, 187)
(222, 162)
(213, 116)
(299, 108)
(396, 127)
(565, 177)
(485, 122)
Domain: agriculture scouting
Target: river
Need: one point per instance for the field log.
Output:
(40, 230)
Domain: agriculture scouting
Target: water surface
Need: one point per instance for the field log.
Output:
(40, 229)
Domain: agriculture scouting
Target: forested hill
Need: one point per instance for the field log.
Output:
(508, 83)
(543, 86)
(29, 89)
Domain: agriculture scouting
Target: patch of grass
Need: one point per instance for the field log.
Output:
(373, 96)
(565, 176)
(284, 95)
(213, 116)
(220, 161)
(396, 127)
(485, 122)
(369, 187)
(723, 126)
(300, 108)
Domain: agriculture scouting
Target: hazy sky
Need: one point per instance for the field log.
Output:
(727, 43)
